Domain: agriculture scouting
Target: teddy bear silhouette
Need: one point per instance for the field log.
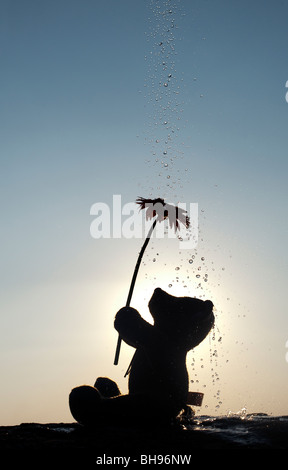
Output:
(158, 377)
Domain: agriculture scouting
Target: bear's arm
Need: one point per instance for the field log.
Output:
(132, 328)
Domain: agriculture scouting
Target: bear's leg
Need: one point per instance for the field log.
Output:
(89, 408)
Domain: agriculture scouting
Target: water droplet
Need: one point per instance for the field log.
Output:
(190, 261)
(202, 259)
(166, 165)
(165, 84)
(168, 177)
(177, 268)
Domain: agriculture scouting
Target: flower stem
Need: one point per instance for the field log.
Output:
(133, 284)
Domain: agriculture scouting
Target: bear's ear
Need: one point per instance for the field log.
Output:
(208, 305)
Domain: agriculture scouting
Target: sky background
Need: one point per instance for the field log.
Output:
(183, 100)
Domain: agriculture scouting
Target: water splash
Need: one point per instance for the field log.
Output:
(214, 354)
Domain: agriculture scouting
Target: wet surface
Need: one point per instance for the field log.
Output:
(69, 442)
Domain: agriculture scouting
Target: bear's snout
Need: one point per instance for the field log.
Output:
(208, 305)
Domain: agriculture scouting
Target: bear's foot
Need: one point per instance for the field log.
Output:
(85, 404)
(107, 387)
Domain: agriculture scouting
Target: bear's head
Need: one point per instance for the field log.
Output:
(185, 320)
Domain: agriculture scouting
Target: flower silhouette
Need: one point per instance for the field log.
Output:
(158, 207)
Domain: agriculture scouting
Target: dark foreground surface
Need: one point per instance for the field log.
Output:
(71, 443)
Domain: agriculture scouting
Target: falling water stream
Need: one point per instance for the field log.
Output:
(163, 95)
(164, 123)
